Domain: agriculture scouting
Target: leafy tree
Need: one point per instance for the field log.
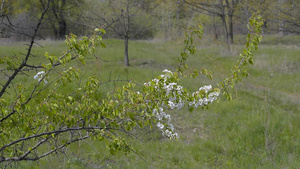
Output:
(41, 118)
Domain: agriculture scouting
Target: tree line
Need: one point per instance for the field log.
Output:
(143, 19)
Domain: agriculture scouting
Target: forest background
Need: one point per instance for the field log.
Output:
(145, 19)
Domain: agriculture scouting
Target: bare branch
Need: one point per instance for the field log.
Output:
(49, 133)
(2, 4)
(28, 52)
(206, 7)
(24, 156)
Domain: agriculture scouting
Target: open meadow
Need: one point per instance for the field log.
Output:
(258, 128)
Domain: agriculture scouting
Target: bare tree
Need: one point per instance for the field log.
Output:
(287, 15)
(132, 24)
(223, 9)
(5, 23)
(135, 23)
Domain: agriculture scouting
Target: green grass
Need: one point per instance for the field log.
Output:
(259, 128)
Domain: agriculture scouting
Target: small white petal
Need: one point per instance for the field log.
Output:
(167, 71)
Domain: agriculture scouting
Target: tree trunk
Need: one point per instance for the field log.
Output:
(58, 10)
(225, 27)
(223, 17)
(126, 51)
(62, 22)
(126, 37)
(213, 21)
(230, 31)
(178, 17)
(169, 26)
(230, 11)
(55, 31)
(62, 28)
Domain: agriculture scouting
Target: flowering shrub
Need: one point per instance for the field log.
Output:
(39, 122)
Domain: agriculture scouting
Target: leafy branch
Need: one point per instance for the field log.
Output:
(246, 57)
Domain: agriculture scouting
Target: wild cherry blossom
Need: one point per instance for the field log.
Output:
(176, 98)
(39, 76)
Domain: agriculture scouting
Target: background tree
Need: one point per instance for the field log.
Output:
(58, 8)
(64, 15)
(135, 23)
(172, 17)
(247, 7)
(287, 16)
(4, 10)
(223, 9)
(21, 15)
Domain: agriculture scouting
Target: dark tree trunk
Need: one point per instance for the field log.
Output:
(58, 10)
(126, 37)
(62, 22)
(55, 31)
(225, 27)
(230, 10)
(213, 20)
(62, 28)
(223, 17)
(126, 51)
(230, 31)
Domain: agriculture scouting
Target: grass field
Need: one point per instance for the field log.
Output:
(259, 128)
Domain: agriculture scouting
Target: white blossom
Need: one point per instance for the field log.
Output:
(160, 126)
(156, 81)
(45, 81)
(39, 76)
(191, 103)
(167, 133)
(180, 104)
(161, 109)
(169, 87)
(170, 134)
(175, 95)
(171, 127)
(206, 88)
(171, 104)
(147, 84)
(167, 71)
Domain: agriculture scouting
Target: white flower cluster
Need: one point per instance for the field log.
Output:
(176, 99)
(179, 105)
(167, 71)
(40, 76)
(205, 88)
(165, 77)
(172, 89)
(204, 101)
(168, 128)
